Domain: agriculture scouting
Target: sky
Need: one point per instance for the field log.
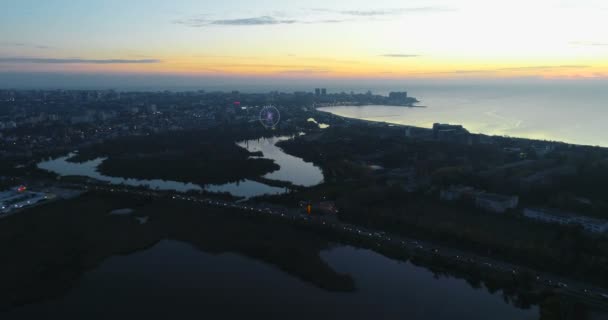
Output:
(382, 39)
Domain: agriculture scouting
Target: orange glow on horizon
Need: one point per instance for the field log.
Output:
(338, 67)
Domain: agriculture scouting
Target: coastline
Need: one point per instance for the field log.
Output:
(392, 124)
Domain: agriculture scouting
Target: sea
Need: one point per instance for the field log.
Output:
(572, 113)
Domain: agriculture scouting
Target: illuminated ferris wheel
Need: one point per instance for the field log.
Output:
(270, 117)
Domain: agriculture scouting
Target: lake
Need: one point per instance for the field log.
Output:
(175, 280)
(292, 169)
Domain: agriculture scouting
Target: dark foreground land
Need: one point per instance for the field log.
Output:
(49, 249)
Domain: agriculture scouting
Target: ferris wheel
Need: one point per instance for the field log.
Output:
(270, 117)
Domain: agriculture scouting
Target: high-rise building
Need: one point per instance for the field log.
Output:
(398, 95)
(317, 92)
(323, 92)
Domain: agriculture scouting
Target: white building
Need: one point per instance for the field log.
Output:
(591, 224)
(496, 202)
(18, 198)
(454, 193)
(545, 216)
(8, 125)
(552, 216)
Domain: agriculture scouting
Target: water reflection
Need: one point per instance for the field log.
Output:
(405, 291)
(292, 169)
(190, 261)
(175, 277)
(245, 188)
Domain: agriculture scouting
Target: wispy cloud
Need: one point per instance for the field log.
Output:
(400, 55)
(251, 21)
(75, 61)
(511, 69)
(389, 12)
(24, 45)
(307, 16)
(304, 71)
(256, 21)
(528, 68)
(589, 44)
(368, 13)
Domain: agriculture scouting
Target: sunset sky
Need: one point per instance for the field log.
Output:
(315, 39)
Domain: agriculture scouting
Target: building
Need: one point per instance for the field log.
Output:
(8, 125)
(408, 132)
(451, 133)
(398, 95)
(17, 198)
(323, 92)
(546, 216)
(562, 218)
(591, 224)
(454, 193)
(497, 203)
(317, 92)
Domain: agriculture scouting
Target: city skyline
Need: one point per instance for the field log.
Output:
(313, 39)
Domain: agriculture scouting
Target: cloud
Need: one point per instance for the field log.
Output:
(369, 13)
(327, 21)
(305, 71)
(386, 12)
(74, 61)
(24, 45)
(589, 44)
(544, 68)
(264, 20)
(198, 22)
(323, 16)
(400, 55)
(513, 69)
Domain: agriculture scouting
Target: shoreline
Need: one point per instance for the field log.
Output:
(430, 129)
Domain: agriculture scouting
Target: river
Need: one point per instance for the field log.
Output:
(292, 169)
